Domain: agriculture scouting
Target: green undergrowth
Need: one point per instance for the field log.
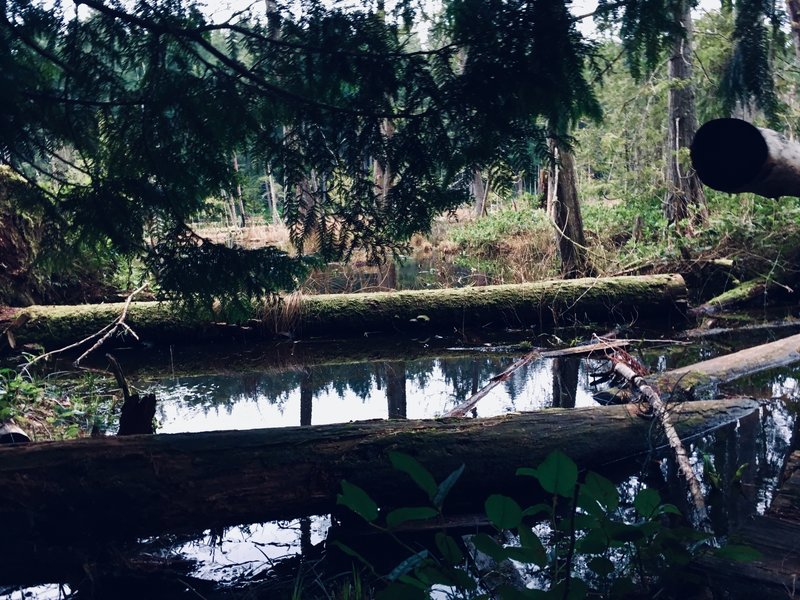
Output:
(57, 407)
(586, 538)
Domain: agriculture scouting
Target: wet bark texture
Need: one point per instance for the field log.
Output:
(565, 211)
(140, 485)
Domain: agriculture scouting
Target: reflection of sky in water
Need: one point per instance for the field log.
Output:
(248, 550)
(432, 387)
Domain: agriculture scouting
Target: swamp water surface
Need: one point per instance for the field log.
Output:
(223, 393)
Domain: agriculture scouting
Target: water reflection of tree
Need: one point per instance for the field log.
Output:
(565, 381)
(396, 389)
(462, 376)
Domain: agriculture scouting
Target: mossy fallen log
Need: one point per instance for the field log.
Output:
(707, 374)
(139, 485)
(540, 304)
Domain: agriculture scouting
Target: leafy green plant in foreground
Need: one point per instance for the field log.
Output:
(584, 541)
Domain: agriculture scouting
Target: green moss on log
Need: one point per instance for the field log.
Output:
(541, 304)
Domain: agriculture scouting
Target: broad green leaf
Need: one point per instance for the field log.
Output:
(527, 472)
(594, 542)
(402, 591)
(432, 574)
(646, 502)
(528, 538)
(449, 548)
(503, 512)
(622, 532)
(670, 509)
(357, 500)
(507, 592)
(537, 509)
(601, 566)
(738, 552)
(558, 474)
(489, 546)
(463, 581)
(601, 490)
(411, 466)
(350, 552)
(412, 513)
(584, 521)
(445, 487)
(408, 565)
(577, 590)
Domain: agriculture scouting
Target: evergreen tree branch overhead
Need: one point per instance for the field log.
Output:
(129, 114)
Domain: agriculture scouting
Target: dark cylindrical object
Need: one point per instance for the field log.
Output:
(731, 155)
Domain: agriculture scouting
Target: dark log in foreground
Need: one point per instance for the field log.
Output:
(139, 485)
(544, 303)
(731, 155)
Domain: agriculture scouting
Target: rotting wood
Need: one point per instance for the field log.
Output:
(729, 367)
(138, 412)
(744, 293)
(470, 403)
(7, 337)
(539, 304)
(180, 482)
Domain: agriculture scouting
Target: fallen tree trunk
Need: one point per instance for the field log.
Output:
(139, 485)
(545, 303)
(731, 155)
(729, 367)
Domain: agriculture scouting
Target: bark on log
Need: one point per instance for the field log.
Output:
(139, 485)
(743, 293)
(731, 155)
(602, 300)
(732, 366)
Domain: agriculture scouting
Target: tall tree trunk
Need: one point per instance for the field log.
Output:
(565, 212)
(684, 196)
(239, 199)
(480, 192)
(793, 9)
(273, 198)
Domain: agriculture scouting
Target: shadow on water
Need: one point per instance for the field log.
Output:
(739, 464)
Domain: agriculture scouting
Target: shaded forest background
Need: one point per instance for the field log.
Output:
(333, 149)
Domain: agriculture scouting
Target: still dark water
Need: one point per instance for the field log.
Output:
(217, 389)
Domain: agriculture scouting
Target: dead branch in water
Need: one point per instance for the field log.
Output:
(627, 367)
(470, 403)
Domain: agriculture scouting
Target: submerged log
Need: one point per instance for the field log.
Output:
(731, 155)
(140, 485)
(544, 303)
